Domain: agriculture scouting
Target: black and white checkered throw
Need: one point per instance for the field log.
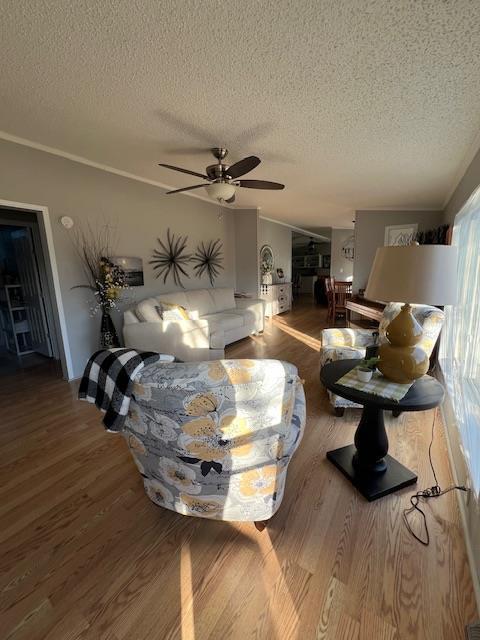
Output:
(108, 378)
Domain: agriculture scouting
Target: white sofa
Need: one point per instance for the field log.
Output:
(216, 319)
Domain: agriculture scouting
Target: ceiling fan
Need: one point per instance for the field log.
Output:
(222, 179)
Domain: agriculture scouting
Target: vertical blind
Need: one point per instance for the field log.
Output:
(460, 346)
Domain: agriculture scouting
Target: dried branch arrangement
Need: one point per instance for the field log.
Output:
(171, 258)
(105, 279)
(208, 258)
(91, 245)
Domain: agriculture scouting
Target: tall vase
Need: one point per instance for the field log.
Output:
(108, 335)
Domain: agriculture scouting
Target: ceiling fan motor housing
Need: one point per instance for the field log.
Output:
(217, 171)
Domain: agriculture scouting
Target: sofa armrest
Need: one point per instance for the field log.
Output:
(179, 337)
(347, 337)
(245, 303)
(297, 423)
(255, 308)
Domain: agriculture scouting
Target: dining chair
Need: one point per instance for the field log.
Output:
(329, 288)
(342, 291)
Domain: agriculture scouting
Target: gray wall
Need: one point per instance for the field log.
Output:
(465, 188)
(340, 267)
(137, 211)
(279, 238)
(370, 234)
(246, 232)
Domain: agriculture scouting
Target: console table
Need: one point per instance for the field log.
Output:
(366, 463)
(278, 298)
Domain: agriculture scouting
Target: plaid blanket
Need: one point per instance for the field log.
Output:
(378, 385)
(108, 379)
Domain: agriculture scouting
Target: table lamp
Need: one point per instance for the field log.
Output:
(413, 274)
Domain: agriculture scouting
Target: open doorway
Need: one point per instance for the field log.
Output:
(27, 333)
(311, 256)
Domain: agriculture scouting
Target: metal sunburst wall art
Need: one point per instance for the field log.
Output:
(208, 259)
(171, 258)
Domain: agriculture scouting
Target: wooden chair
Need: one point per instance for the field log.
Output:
(296, 285)
(342, 291)
(329, 288)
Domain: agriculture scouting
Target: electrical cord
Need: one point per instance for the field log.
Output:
(426, 494)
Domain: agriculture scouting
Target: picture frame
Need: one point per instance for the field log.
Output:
(133, 268)
(399, 235)
(266, 259)
(266, 264)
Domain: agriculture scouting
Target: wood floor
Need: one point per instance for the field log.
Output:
(85, 554)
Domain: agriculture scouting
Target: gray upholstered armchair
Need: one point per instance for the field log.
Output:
(214, 439)
(341, 344)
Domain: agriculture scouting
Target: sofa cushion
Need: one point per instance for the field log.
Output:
(223, 299)
(147, 310)
(224, 321)
(201, 301)
(177, 297)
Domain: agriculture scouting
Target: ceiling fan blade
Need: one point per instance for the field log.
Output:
(231, 200)
(195, 186)
(243, 166)
(261, 184)
(190, 173)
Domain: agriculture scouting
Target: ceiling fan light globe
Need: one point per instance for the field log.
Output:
(220, 190)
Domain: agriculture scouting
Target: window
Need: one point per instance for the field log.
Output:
(460, 347)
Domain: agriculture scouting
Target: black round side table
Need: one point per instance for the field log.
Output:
(366, 463)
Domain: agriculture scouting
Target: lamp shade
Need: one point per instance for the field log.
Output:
(417, 274)
(220, 190)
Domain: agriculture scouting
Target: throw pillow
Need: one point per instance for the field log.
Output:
(169, 311)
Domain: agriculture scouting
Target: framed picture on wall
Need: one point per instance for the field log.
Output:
(133, 268)
(399, 235)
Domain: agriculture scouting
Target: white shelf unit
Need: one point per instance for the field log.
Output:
(278, 298)
(14, 326)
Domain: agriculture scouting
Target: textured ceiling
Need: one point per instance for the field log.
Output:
(352, 104)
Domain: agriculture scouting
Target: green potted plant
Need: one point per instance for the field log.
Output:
(366, 368)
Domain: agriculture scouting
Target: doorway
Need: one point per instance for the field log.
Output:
(311, 256)
(27, 334)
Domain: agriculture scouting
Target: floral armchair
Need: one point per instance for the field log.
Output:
(214, 439)
(342, 344)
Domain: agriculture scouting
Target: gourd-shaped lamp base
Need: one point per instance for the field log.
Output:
(401, 360)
